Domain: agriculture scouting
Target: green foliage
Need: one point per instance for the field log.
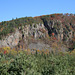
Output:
(37, 64)
(53, 15)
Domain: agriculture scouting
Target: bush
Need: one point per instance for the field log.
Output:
(37, 64)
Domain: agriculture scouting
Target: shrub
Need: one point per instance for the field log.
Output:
(37, 64)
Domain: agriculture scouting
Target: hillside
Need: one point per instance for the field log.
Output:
(41, 32)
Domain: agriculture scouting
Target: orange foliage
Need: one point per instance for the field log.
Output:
(52, 34)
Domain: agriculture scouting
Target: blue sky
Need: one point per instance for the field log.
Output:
(21, 8)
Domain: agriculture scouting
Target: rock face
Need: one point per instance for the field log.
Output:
(61, 32)
(39, 46)
(35, 31)
(11, 40)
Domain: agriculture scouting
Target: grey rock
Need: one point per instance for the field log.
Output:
(39, 46)
(11, 40)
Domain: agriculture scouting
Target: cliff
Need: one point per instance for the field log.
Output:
(28, 30)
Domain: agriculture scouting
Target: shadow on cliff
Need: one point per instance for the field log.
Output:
(47, 27)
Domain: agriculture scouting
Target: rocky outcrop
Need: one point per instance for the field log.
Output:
(24, 31)
(35, 31)
(11, 40)
(62, 33)
(39, 46)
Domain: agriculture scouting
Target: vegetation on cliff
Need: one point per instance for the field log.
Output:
(62, 25)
